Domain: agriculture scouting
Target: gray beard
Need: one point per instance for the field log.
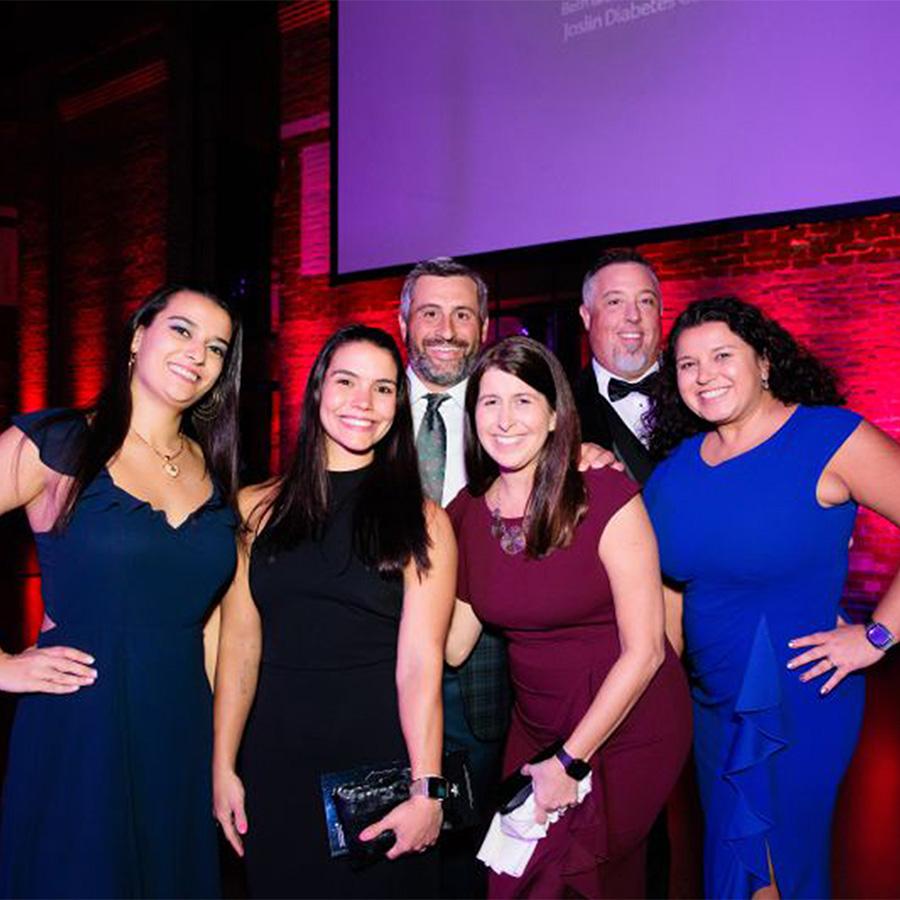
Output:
(421, 366)
(628, 366)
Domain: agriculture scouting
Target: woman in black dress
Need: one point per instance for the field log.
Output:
(335, 627)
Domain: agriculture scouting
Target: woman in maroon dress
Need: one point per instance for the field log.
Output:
(565, 565)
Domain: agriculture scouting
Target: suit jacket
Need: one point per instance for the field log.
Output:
(601, 424)
(486, 693)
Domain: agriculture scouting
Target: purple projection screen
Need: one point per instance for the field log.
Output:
(468, 127)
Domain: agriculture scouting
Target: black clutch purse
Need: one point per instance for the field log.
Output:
(363, 796)
(515, 789)
(364, 800)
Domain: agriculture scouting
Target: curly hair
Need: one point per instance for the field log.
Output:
(795, 375)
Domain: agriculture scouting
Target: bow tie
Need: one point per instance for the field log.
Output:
(619, 389)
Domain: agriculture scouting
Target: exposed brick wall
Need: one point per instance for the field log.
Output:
(110, 168)
(113, 221)
(834, 285)
(34, 339)
(309, 308)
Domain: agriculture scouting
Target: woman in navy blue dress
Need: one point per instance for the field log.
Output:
(754, 507)
(107, 789)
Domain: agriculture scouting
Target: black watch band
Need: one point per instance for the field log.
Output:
(575, 768)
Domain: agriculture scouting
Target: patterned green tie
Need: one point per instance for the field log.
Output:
(431, 445)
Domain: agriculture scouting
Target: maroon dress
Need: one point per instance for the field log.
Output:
(558, 616)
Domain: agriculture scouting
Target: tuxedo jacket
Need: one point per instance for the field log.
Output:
(601, 424)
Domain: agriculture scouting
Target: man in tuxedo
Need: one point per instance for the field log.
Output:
(621, 310)
(444, 320)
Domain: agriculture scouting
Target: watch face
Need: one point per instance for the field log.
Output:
(437, 789)
(879, 636)
(578, 769)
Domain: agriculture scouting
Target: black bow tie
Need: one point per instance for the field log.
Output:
(619, 389)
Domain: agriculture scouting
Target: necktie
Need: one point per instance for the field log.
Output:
(431, 446)
(619, 389)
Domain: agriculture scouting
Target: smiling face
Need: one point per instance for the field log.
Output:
(444, 331)
(512, 420)
(622, 318)
(720, 376)
(180, 354)
(358, 403)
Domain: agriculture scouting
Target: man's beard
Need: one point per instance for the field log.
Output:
(631, 364)
(443, 377)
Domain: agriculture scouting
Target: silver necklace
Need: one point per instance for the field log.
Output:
(169, 466)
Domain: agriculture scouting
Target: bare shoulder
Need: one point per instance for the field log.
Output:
(435, 514)
(253, 501)
(865, 467)
(22, 471)
(868, 440)
(14, 442)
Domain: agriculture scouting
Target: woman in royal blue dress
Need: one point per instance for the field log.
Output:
(754, 506)
(107, 789)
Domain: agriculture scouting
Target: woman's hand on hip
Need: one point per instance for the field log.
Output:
(46, 670)
(554, 790)
(415, 822)
(840, 651)
(228, 806)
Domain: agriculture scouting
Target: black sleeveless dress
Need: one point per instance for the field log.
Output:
(326, 702)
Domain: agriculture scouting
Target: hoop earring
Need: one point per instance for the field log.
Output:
(208, 408)
(131, 358)
(765, 382)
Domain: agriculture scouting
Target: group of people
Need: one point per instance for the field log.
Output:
(536, 622)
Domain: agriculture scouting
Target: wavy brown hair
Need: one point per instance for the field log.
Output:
(558, 500)
(795, 375)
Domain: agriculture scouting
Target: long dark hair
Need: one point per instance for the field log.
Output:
(389, 525)
(795, 375)
(558, 500)
(212, 421)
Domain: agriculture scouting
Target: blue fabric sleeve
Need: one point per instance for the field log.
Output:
(827, 428)
(57, 433)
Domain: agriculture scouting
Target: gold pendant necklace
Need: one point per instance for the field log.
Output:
(169, 466)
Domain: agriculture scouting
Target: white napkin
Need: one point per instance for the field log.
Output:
(512, 838)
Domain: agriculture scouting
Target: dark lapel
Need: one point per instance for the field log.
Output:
(600, 424)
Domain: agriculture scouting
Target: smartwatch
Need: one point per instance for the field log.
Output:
(432, 786)
(880, 636)
(575, 768)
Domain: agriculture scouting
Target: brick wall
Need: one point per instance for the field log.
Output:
(835, 285)
(309, 308)
(103, 184)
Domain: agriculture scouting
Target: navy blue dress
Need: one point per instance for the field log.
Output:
(107, 790)
(762, 562)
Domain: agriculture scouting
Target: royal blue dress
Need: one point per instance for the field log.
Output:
(762, 562)
(107, 790)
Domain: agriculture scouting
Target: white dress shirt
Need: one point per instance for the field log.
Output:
(630, 408)
(453, 412)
